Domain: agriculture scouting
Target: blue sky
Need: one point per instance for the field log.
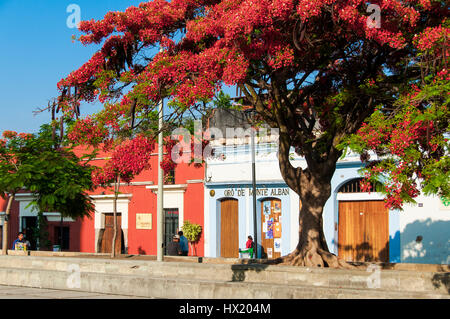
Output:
(36, 51)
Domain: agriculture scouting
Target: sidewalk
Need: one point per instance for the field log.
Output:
(16, 292)
(198, 280)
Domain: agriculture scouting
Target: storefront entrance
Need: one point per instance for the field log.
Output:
(107, 238)
(229, 228)
(171, 225)
(271, 228)
(363, 231)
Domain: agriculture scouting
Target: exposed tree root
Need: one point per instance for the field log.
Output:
(312, 258)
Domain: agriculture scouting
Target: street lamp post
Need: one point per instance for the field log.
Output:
(255, 224)
(160, 196)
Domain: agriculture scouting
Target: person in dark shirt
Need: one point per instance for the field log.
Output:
(173, 248)
(183, 244)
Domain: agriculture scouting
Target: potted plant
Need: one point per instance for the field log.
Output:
(192, 232)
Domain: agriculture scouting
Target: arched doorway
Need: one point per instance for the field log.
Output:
(229, 228)
(363, 232)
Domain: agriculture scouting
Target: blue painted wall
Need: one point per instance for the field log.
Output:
(214, 212)
(405, 227)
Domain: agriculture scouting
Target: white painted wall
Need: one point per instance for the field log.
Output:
(430, 220)
(104, 204)
(173, 197)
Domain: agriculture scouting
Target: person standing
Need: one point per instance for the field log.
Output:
(184, 245)
(173, 248)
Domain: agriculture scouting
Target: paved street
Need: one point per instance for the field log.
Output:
(14, 292)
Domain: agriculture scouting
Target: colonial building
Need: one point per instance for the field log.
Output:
(136, 207)
(357, 225)
(219, 197)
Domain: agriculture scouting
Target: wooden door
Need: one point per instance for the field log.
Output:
(377, 231)
(363, 231)
(109, 233)
(350, 232)
(270, 227)
(229, 228)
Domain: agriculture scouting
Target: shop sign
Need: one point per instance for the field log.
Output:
(143, 221)
(232, 192)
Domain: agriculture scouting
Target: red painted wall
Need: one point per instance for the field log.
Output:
(74, 233)
(13, 223)
(193, 211)
(143, 241)
(82, 231)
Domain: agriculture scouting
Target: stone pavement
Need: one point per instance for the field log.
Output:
(181, 280)
(15, 292)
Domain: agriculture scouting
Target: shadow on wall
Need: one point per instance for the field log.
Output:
(426, 242)
(141, 251)
(365, 252)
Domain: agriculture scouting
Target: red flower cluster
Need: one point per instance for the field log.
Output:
(127, 161)
(408, 142)
(9, 134)
(430, 37)
(87, 131)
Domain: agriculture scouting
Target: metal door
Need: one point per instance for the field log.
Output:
(170, 225)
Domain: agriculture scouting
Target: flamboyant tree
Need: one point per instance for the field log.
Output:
(315, 69)
(411, 141)
(410, 148)
(128, 159)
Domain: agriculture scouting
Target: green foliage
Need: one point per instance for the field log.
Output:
(411, 143)
(191, 231)
(57, 177)
(40, 232)
(222, 100)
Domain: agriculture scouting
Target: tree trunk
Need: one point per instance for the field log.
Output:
(312, 249)
(116, 195)
(313, 185)
(5, 224)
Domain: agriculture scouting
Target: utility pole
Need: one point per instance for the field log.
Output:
(61, 232)
(160, 195)
(255, 224)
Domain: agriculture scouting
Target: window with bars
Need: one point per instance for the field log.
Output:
(354, 186)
